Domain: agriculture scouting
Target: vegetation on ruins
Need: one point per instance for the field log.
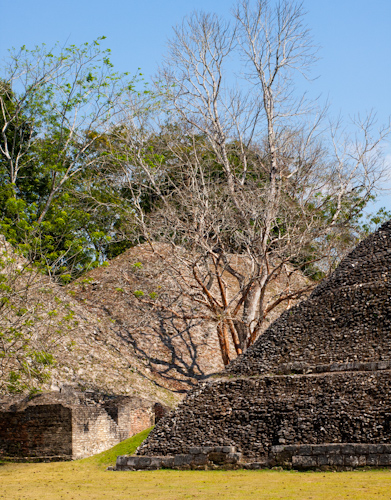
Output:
(236, 171)
(221, 159)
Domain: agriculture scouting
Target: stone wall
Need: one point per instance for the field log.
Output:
(319, 376)
(254, 414)
(132, 415)
(345, 456)
(93, 431)
(198, 458)
(344, 325)
(64, 426)
(44, 431)
(331, 456)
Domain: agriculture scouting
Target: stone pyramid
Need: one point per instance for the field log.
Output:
(315, 389)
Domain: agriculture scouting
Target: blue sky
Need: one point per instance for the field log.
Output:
(355, 38)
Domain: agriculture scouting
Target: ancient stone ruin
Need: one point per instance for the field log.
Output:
(314, 391)
(70, 425)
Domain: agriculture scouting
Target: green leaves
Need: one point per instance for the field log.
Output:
(52, 195)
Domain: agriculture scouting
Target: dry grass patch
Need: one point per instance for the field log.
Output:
(88, 479)
(82, 480)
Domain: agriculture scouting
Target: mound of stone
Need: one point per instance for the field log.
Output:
(345, 320)
(319, 376)
(40, 318)
(175, 346)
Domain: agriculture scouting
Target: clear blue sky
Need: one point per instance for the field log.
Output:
(354, 35)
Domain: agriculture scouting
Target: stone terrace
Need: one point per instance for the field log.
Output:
(319, 377)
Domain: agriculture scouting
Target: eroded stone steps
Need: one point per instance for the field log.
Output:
(323, 456)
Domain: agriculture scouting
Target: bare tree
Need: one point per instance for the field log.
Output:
(244, 186)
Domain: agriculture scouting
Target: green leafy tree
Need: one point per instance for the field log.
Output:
(55, 107)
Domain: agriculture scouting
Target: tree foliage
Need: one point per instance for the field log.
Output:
(248, 182)
(56, 105)
(241, 166)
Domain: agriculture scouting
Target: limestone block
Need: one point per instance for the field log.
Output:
(217, 457)
(373, 460)
(351, 460)
(180, 460)
(201, 459)
(385, 459)
(304, 461)
(167, 462)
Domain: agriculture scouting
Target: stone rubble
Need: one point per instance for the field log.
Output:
(314, 391)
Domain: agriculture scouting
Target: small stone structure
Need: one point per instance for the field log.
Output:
(70, 425)
(314, 391)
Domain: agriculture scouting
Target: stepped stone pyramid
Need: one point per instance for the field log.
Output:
(314, 390)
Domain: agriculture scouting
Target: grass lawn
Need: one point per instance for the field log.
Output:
(88, 479)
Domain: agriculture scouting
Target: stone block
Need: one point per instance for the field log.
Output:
(323, 460)
(217, 457)
(233, 458)
(167, 462)
(255, 465)
(196, 450)
(362, 460)
(180, 460)
(335, 460)
(155, 463)
(304, 461)
(348, 449)
(121, 460)
(319, 449)
(303, 449)
(332, 449)
(385, 459)
(279, 448)
(224, 449)
(200, 459)
(351, 460)
(139, 462)
(373, 460)
(363, 449)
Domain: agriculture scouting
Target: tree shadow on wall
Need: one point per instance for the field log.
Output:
(177, 361)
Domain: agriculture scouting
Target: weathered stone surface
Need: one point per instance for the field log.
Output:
(273, 411)
(339, 456)
(305, 461)
(204, 457)
(319, 378)
(180, 460)
(69, 425)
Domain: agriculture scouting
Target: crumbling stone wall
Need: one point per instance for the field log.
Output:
(346, 325)
(346, 319)
(64, 426)
(331, 456)
(132, 415)
(93, 431)
(320, 375)
(254, 414)
(42, 431)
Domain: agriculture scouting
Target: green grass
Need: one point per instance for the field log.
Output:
(88, 479)
(109, 457)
